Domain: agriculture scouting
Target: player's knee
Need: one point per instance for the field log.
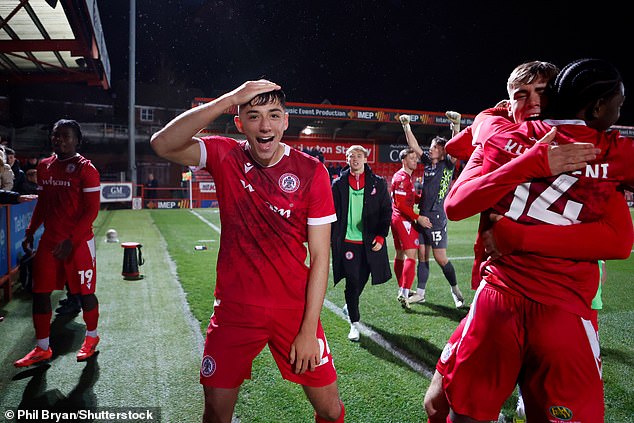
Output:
(335, 412)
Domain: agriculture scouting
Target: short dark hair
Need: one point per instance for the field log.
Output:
(275, 96)
(441, 141)
(9, 151)
(73, 124)
(405, 152)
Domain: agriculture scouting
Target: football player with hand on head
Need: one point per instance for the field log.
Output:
(273, 199)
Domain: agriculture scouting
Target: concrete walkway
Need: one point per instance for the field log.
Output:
(150, 345)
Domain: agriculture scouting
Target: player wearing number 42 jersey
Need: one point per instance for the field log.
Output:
(68, 187)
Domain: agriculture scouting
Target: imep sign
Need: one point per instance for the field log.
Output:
(114, 192)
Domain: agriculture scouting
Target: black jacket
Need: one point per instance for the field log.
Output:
(377, 215)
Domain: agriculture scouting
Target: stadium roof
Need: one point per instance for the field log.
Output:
(52, 41)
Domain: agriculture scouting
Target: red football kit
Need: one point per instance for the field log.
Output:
(68, 203)
(524, 318)
(261, 280)
(403, 215)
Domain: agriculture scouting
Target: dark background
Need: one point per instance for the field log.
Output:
(417, 55)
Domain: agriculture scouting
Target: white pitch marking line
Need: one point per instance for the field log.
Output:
(395, 351)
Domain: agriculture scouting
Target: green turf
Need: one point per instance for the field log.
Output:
(375, 386)
(150, 351)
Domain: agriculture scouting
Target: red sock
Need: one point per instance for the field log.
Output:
(398, 271)
(339, 420)
(409, 273)
(42, 324)
(91, 317)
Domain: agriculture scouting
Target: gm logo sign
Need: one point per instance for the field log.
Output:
(113, 192)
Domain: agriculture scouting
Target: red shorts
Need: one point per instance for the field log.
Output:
(404, 234)
(448, 356)
(553, 355)
(79, 269)
(237, 333)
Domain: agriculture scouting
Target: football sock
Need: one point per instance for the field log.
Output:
(423, 274)
(449, 273)
(42, 324)
(409, 272)
(43, 343)
(398, 271)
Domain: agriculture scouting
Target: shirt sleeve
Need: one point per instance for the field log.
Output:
(321, 208)
(473, 192)
(90, 201)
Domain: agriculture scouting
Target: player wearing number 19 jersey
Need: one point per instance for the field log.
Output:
(530, 316)
(68, 203)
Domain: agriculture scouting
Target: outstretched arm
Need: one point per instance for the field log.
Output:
(176, 142)
(473, 192)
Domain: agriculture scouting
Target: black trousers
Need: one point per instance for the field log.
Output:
(357, 273)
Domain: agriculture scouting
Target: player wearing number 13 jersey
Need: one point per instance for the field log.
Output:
(68, 203)
(530, 318)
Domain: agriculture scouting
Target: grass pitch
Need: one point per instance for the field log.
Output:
(375, 385)
(151, 346)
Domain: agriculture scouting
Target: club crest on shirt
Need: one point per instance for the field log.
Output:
(349, 255)
(288, 182)
(70, 168)
(208, 366)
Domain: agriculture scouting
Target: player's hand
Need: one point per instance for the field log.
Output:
(376, 245)
(63, 249)
(454, 117)
(305, 353)
(568, 157)
(503, 104)
(27, 244)
(247, 91)
(404, 119)
(424, 221)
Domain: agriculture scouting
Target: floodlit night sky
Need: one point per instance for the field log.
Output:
(417, 55)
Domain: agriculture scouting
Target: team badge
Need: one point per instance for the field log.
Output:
(208, 367)
(560, 412)
(70, 168)
(288, 182)
(447, 352)
(349, 255)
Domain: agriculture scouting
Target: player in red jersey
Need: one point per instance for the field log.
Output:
(67, 206)
(272, 200)
(403, 219)
(537, 306)
(525, 86)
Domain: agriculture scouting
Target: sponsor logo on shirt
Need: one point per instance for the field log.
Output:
(55, 182)
(288, 182)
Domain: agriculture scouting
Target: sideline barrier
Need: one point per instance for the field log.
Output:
(14, 220)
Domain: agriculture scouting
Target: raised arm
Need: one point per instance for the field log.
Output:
(409, 135)
(176, 142)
